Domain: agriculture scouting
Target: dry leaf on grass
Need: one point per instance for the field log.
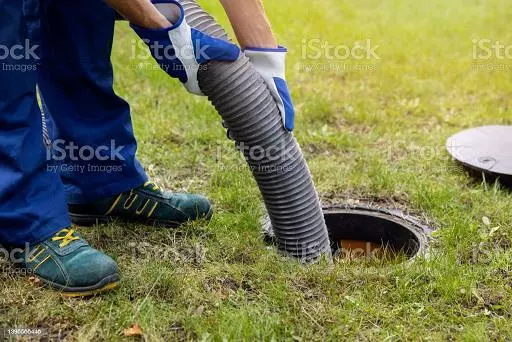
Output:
(135, 330)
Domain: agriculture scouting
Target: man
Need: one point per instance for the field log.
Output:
(52, 171)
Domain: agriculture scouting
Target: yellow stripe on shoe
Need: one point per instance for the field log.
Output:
(153, 209)
(130, 200)
(114, 204)
(138, 212)
(38, 251)
(42, 262)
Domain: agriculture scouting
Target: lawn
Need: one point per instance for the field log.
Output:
(373, 130)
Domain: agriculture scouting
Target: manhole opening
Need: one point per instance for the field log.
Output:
(371, 234)
(365, 233)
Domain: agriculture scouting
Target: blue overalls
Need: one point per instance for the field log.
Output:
(68, 154)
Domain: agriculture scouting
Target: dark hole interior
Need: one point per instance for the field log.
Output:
(370, 227)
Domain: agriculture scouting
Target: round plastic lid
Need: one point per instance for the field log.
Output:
(485, 149)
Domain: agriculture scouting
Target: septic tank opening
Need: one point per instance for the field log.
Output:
(364, 233)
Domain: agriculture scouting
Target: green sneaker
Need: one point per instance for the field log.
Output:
(146, 204)
(66, 262)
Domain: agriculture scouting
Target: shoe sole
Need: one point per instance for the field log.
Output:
(108, 283)
(105, 288)
(89, 221)
(92, 220)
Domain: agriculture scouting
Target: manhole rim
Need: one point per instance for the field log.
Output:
(421, 231)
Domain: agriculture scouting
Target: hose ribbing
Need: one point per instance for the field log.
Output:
(249, 111)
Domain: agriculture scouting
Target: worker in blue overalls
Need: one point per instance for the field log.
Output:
(70, 157)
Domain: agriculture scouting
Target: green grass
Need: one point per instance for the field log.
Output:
(377, 133)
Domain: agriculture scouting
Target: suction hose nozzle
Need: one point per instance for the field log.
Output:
(250, 113)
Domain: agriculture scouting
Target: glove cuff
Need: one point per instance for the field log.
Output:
(268, 61)
(278, 49)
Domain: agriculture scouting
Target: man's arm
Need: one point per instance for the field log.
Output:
(251, 25)
(249, 20)
(255, 36)
(140, 12)
(178, 48)
(252, 29)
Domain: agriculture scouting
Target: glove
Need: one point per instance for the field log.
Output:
(270, 63)
(180, 50)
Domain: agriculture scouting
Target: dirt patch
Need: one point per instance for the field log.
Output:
(56, 329)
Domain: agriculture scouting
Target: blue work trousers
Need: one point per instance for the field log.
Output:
(81, 147)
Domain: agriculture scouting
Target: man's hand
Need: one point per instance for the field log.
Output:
(140, 12)
(180, 49)
(270, 63)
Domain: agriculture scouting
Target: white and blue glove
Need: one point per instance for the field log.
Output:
(180, 50)
(270, 63)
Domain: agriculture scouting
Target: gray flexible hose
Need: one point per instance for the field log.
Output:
(250, 113)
